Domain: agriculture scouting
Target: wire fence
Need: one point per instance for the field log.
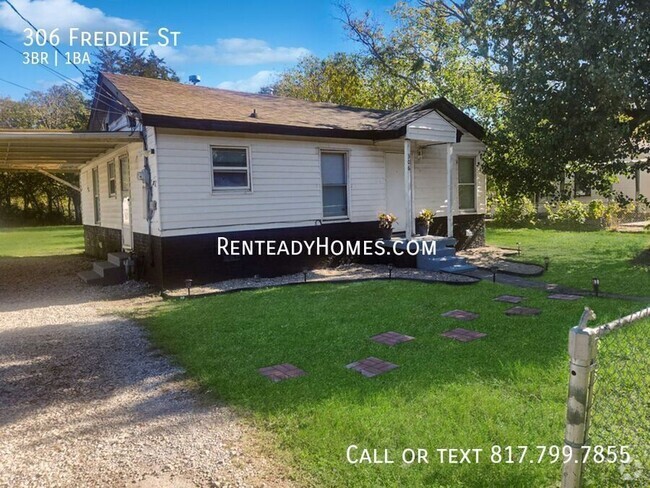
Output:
(620, 413)
(608, 409)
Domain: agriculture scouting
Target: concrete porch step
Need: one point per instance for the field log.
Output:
(459, 268)
(436, 263)
(117, 258)
(111, 274)
(90, 277)
(445, 251)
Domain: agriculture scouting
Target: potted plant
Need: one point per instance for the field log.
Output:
(423, 221)
(386, 221)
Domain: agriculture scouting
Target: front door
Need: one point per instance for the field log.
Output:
(125, 186)
(395, 191)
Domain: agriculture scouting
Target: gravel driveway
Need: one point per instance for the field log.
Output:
(86, 401)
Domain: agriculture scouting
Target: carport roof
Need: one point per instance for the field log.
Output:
(58, 151)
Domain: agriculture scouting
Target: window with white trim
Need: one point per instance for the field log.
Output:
(580, 187)
(230, 168)
(112, 182)
(334, 179)
(466, 183)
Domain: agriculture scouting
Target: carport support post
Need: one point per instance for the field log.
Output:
(583, 352)
(450, 191)
(408, 183)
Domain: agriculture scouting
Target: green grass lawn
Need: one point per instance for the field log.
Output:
(578, 257)
(506, 389)
(41, 241)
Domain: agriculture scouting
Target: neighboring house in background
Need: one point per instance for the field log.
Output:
(213, 163)
(632, 188)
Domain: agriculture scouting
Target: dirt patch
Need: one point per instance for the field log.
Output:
(503, 259)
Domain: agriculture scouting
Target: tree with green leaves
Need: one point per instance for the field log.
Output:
(59, 107)
(576, 93)
(562, 86)
(127, 61)
(344, 79)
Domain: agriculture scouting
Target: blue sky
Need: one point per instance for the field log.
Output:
(231, 44)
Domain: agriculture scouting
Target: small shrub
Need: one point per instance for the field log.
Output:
(514, 211)
(608, 215)
(567, 213)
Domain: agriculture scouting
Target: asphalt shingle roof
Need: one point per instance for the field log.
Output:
(171, 104)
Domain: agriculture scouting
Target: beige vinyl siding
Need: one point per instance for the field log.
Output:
(285, 183)
(431, 127)
(430, 177)
(111, 207)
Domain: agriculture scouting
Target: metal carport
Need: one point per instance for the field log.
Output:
(56, 151)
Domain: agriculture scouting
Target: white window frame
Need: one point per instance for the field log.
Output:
(96, 191)
(346, 162)
(248, 187)
(474, 183)
(120, 159)
(113, 193)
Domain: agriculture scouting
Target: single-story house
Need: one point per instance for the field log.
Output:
(634, 188)
(188, 164)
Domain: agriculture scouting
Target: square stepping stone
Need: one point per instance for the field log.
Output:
(370, 367)
(564, 296)
(463, 335)
(523, 311)
(509, 299)
(460, 315)
(391, 338)
(281, 372)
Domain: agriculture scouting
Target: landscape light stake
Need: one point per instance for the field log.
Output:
(188, 285)
(547, 261)
(494, 268)
(390, 271)
(304, 274)
(596, 284)
(518, 249)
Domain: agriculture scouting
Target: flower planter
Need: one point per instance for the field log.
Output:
(422, 228)
(386, 232)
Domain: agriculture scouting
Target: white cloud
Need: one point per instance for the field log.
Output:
(252, 84)
(64, 14)
(233, 51)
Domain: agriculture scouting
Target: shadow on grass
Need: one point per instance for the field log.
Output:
(643, 259)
